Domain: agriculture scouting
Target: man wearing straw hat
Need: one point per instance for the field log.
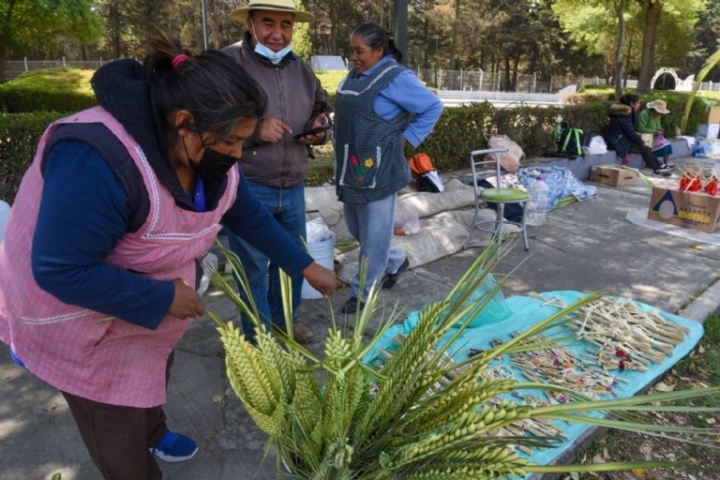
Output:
(275, 158)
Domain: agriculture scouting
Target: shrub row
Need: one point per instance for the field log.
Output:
(55, 89)
(460, 130)
(19, 136)
(463, 129)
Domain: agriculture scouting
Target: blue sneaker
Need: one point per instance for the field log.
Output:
(175, 447)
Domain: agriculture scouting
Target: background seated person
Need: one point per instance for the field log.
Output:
(622, 137)
(648, 122)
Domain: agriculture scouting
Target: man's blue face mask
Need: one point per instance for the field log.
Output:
(274, 57)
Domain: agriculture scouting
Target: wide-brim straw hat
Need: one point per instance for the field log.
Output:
(659, 106)
(242, 13)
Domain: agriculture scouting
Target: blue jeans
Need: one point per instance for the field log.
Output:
(372, 225)
(287, 205)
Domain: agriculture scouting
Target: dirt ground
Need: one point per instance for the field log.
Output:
(698, 370)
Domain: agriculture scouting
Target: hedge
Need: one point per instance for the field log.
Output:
(19, 136)
(54, 89)
(459, 130)
(466, 128)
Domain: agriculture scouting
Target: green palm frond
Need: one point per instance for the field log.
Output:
(417, 414)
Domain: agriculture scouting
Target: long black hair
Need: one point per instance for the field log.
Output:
(376, 37)
(212, 86)
(629, 98)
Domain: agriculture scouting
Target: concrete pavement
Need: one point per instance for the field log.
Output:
(585, 246)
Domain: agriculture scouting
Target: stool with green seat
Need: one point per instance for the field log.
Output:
(503, 194)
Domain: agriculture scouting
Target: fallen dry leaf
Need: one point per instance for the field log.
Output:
(640, 473)
(663, 387)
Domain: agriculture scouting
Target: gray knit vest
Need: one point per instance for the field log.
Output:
(370, 162)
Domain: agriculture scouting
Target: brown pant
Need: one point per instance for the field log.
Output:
(119, 438)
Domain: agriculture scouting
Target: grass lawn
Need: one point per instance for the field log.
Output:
(322, 167)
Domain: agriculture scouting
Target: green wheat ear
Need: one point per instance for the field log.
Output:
(417, 415)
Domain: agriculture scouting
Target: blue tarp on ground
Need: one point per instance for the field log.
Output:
(528, 311)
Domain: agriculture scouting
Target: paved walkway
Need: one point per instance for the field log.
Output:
(585, 246)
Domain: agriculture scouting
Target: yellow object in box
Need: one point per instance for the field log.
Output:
(698, 210)
(613, 176)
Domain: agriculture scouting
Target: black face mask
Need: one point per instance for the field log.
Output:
(212, 164)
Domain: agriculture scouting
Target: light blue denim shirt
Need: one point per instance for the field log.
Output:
(406, 93)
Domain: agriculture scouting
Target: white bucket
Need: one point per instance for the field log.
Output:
(324, 254)
(4, 214)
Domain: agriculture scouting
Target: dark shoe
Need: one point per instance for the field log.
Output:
(302, 334)
(390, 279)
(663, 170)
(352, 305)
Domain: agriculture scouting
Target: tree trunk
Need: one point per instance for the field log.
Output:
(652, 9)
(3, 56)
(516, 66)
(5, 35)
(455, 36)
(507, 85)
(426, 42)
(620, 10)
(628, 61)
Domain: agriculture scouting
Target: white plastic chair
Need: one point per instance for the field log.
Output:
(501, 195)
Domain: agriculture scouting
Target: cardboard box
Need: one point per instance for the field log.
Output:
(708, 130)
(612, 176)
(711, 115)
(698, 211)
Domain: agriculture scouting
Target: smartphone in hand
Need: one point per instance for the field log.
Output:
(313, 131)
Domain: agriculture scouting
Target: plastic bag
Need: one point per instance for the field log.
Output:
(597, 146)
(495, 310)
(407, 221)
(510, 160)
(4, 215)
(317, 230)
(660, 141)
(701, 150)
(209, 267)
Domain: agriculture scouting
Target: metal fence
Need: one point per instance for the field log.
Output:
(472, 80)
(469, 80)
(13, 68)
(493, 81)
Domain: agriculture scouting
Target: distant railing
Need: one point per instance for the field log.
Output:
(710, 86)
(493, 81)
(471, 80)
(13, 68)
(474, 80)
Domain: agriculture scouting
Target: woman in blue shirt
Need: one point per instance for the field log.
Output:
(380, 107)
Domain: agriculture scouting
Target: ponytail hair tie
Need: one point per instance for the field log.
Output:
(178, 59)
